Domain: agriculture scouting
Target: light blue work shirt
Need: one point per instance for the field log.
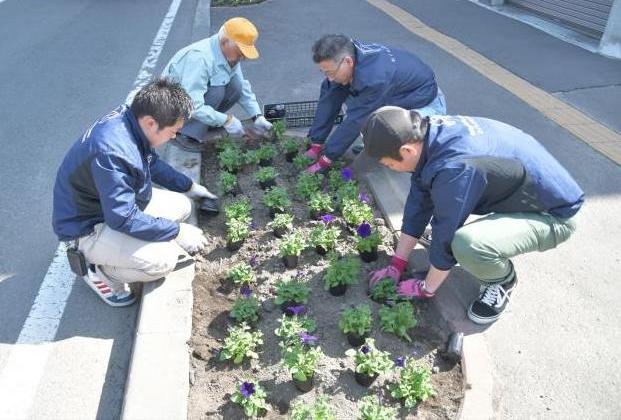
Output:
(201, 65)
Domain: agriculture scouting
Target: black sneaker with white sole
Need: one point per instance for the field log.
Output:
(491, 302)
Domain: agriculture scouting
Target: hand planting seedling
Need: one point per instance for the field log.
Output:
(278, 129)
(398, 319)
(301, 162)
(384, 290)
(319, 203)
(372, 409)
(356, 323)
(241, 343)
(292, 292)
(242, 274)
(414, 383)
(239, 210)
(265, 154)
(320, 410)
(266, 176)
(231, 158)
(277, 199)
(367, 241)
(291, 246)
(245, 309)
(355, 212)
(282, 223)
(228, 182)
(251, 397)
(370, 362)
(324, 238)
(307, 185)
(341, 273)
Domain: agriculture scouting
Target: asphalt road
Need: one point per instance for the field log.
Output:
(62, 65)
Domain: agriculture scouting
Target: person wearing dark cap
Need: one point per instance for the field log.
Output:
(464, 166)
(364, 76)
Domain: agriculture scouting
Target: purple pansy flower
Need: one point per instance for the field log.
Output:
(327, 218)
(400, 361)
(307, 338)
(365, 349)
(246, 291)
(364, 230)
(247, 389)
(346, 174)
(364, 198)
(253, 261)
(296, 310)
(253, 225)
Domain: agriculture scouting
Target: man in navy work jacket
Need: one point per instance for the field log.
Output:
(210, 71)
(462, 166)
(104, 200)
(364, 77)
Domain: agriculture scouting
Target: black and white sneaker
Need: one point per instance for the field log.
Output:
(491, 302)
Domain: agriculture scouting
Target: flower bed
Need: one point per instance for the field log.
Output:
(290, 355)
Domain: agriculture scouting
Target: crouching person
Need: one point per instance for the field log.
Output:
(105, 204)
(462, 166)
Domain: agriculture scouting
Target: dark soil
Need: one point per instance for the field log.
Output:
(213, 382)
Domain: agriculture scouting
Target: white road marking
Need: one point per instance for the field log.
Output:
(26, 363)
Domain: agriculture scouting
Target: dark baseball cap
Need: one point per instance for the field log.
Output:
(388, 128)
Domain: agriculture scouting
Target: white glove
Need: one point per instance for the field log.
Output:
(262, 124)
(190, 238)
(198, 191)
(234, 127)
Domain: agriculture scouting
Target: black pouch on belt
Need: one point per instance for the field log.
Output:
(77, 261)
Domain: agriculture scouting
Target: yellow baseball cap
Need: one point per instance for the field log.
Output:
(244, 34)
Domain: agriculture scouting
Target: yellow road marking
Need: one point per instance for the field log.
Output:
(597, 135)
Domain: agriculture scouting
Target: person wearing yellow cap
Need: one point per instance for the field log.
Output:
(210, 71)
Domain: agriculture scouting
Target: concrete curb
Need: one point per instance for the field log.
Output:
(158, 380)
(475, 362)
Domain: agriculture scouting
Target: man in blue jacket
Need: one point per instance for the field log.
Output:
(210, 71)
(464, 166)
(364, 77)
(104, 201)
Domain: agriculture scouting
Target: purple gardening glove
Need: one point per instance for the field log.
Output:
(322, 164)
(394, 271)
(413, 289)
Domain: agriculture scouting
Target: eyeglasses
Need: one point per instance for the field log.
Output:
(332, 73)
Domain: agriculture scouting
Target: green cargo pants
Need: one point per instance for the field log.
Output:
(485, 246)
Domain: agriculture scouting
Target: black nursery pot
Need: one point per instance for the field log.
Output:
(304, 386)
(314, 214)
(234, 246)
(356, 340)
(368, 256)
(266, 184)
(321, 251)
(274, 212)
(265, 162)
(235, 191)
(279, 232)
(291, 261)
(364, 379)
(338, 290)
(290, 155)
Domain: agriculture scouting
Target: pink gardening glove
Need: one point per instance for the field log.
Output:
(394, 271)
(413, 289)
(322, 164)
(314, 151)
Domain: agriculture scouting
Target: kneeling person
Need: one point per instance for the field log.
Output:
(104, 201)
(462, 166)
